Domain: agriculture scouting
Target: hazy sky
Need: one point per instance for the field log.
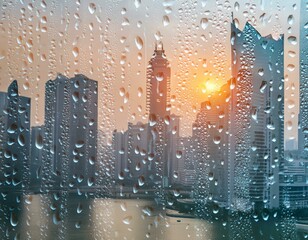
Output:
(112, 42)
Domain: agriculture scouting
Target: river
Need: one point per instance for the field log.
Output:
(63, 216)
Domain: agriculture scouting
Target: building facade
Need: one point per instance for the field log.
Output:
(14, 139)
(256, 119)
(70, 146)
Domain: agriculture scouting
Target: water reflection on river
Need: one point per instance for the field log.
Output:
(62, 216)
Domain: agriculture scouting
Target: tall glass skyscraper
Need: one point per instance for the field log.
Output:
(257, 121)
(70, 132)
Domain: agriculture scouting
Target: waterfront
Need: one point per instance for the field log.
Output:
(66, 216)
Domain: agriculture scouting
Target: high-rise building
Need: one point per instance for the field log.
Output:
(256, 118)
(14, 139)
(158, 90)
(70, 150)
(303, 88)
(158, 84)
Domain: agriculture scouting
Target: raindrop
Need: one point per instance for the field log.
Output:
(122, 91)
(261, 72)
(139, 42)
(292, 40)
(236, 6)
(78, 224)
(147, 210)
(92, 8)
(137, 3)
(123, 206)
(39, 141)
(56, 218)
(179, 154)
(292, 54)
(166, 20)
(141, 180)
(152, 119)
(263, 86)
(127, 220)
(75, 52)
(79, 144)
(140, 92)
(204, 23)
(75, 96)
(211, 176)
(21, 140)
(79, 208)
(176, 192)
(216, 139)
(291, 67)
(13, 219)
(160, 76)
(12, 128)
(291, 19)
(30, 57)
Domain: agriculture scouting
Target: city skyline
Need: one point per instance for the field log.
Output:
(240, 126)
(144, 119)
(185, 84)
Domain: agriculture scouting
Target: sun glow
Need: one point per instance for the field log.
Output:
(209, 87)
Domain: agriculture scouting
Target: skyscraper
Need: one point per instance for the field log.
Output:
(256, 119)
(14, 138)
(158, 84)
(303, 89)
(158, 90)
(70, 132)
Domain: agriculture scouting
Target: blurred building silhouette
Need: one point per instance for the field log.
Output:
(256, 118)
(14, 139)
(211, 140)
(293, 180)
(70, 133)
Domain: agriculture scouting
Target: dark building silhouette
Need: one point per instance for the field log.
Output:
(70, 133)
(14, 139)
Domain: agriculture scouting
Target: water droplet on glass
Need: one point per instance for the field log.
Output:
(39, 141)
(139, 42)
(204, 23)
(166, 20)
(291, 19)
(137, 3)
(92, 8)
(127, 220)
(292, 40)
(75, 52)
(160, 76)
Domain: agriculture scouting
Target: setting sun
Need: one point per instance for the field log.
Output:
(209, 87)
